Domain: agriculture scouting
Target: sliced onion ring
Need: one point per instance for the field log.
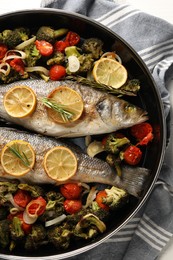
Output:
(28, 219)
(22, 45)
(5, 70)
(16, 55)
(55, 220)
(38, 69)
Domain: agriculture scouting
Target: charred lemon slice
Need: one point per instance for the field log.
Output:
(60, 163)
(110, 72)
(17, 158)
(64, 105)
(20, 101)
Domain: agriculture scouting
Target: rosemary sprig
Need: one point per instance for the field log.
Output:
(22, 157)
(130, 88)
(65, 114)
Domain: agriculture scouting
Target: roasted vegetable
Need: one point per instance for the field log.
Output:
(57, 58)
(112, 143)
(93, 46)
(34, 190)
(36, 237)
(4, 233)
(60, 236)
(89, 226)
(8, 186)
(12, 38)
(12, 76)
(32, 55)
(115, 197)
(16, 230)
(49, 34)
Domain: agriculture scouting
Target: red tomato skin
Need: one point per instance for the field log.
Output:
(22, 198)
(18, 65)
(36, 206)
(99, 199)
(60, 46)
(132, 155)
(3, 50)
(57, 72)
(72, 206)
(45, 48)
(141, 130)
(71, 190)
(72, 38)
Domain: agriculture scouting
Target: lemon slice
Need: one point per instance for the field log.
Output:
(109, 72)
(60, 163)
(70, 103)
(20, 101)
(17, 157)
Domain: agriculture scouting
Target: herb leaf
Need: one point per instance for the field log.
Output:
(22, 156)
(65, 114)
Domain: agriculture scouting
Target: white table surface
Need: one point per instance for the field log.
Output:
(160, 8)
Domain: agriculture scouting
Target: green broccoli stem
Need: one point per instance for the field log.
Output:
(16, 229)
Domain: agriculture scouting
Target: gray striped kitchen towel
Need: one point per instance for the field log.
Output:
(145, 236)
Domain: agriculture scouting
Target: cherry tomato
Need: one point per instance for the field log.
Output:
(72, 206)
(71, 190)
(132, 155)
(141, 130)
(3, 50)
(18, 65)
(99, 199)
(148, 138)
(72, 38)
(22, 198)
(60, 46)
(57, 72)
(45, 48)
(36, 207)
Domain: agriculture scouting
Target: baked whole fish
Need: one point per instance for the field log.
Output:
(90, 170)
(103, 113)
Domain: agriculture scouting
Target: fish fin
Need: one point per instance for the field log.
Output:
(133, 180)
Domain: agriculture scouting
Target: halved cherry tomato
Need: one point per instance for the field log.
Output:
(71, 190)
(57, 72)
(99, 199)
(36, 207)
(22, 198)
(72, 38)
(60, 46)
(141, 130)
(132, 155)
(45, 48)
(18, 65)
(148, 138)
(72, 206)
(3, 50)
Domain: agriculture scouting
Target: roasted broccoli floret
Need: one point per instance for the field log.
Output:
(113, 143)
(36, 237)
(132, 85)
(14, 37)
(60, 236)
(93, 46)
(34, 190)
(86, 63)
(115, 198)
(58, 58)
(8, 186)
(102, 214)
(12, 76)
(89, 226)
(54, 207)
(32, 55)
(49, 34)
(4, 233)
(16, 230)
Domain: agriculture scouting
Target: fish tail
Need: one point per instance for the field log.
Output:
(133, 180)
